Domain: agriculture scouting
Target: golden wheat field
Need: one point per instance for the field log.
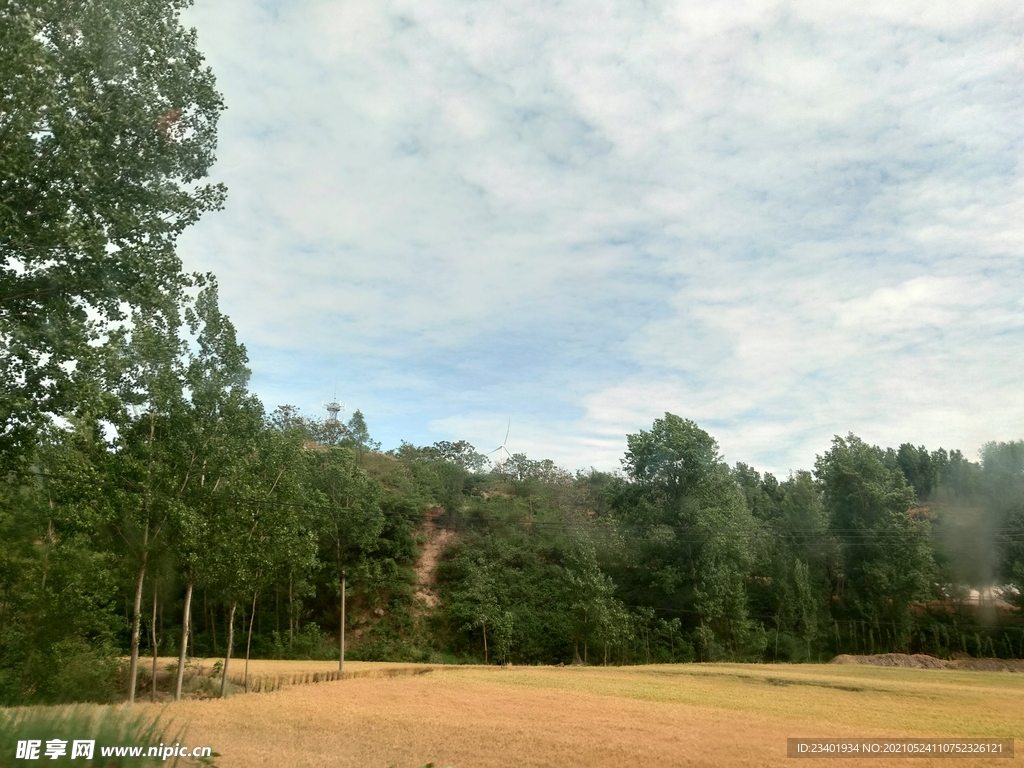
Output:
(407, 715)
(672, 715)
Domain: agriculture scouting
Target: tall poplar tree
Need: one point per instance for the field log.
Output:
(108, 123)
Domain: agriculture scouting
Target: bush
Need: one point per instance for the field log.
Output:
(309, 643)
(71, 670)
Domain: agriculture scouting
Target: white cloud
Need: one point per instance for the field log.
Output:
(781, 220)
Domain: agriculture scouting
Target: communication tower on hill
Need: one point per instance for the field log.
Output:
(333, 408)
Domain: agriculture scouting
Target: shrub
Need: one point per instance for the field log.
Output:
(69, 671)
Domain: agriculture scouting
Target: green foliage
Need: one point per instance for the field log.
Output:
(310, 642)
(357, 434)
(693, 538)
(393, 637)
(920, 469)
(137, 468)
(886, 556)
(109, 121)
(57, 585)
(1003, 523)
(510, 590)
(108, 726)
(797, 559)
(442, 474)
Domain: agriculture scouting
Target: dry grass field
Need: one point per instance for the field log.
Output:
(679, 715)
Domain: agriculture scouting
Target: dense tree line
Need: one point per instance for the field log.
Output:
(211, 521)
(681, 557)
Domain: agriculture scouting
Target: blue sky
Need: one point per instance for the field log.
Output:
(784, 221)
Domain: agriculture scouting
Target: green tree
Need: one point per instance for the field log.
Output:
(592, 603)
(262, 528)
(693, 535)
(462, 454)
(1000, 536)
(107, 127)
(438, 471)
(349, 519)
(218, 414)
(357, 434)
(797, 598)
(963, 527)
(886, 556)
(482, 602)
(919, 468)
(807, 603)
(149, 382)
(59, 611)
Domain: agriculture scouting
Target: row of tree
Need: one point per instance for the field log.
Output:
(171, 480)
(118, 522)
(137, 472)
(682, 557)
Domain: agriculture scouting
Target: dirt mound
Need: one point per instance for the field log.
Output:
(923, 661)
(917, 660)
(991, 665)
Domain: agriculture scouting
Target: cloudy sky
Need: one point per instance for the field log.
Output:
(783, 220)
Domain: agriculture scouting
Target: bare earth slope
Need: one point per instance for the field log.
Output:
(437, 540)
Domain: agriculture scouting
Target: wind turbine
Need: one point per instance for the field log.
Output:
(501, 450)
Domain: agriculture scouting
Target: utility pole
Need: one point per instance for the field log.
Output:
(341, 654)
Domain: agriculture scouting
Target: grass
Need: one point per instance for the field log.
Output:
(107, 726)
(664, 715)
(913, 701)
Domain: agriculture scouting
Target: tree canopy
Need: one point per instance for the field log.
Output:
(108, 124)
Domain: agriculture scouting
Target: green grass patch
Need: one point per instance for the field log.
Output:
(106, 726)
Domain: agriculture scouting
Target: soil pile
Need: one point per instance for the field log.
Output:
(923, 661)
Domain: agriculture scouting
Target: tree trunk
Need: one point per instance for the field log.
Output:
(227, 656)
(133, 674)
(291, 613)
(341, 632)
(137, 608)
(185, 622)
(156, 644)
(248, 643)
(486, 657)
